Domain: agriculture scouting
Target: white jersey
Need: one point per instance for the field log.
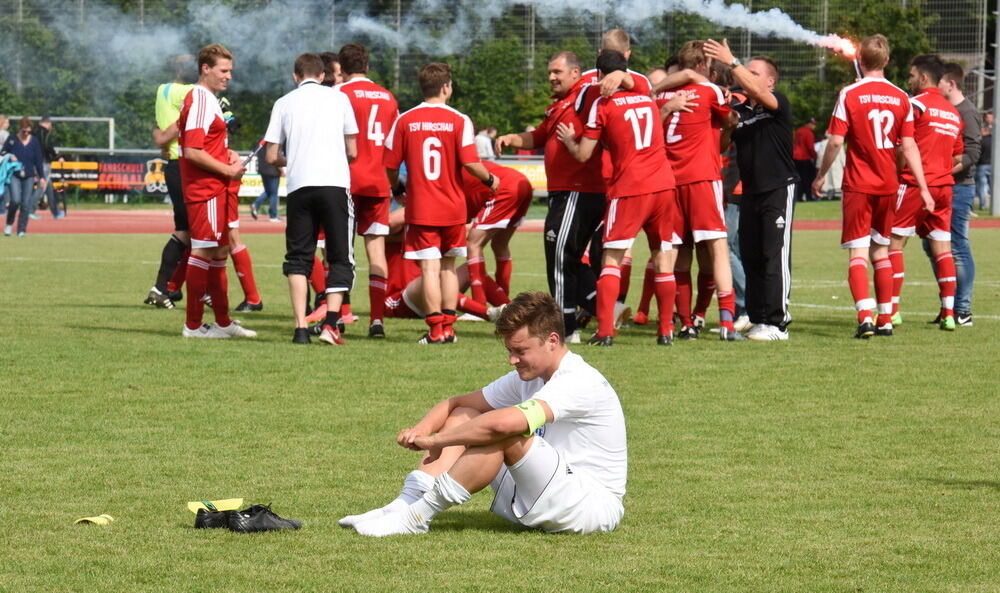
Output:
(311, 122)
(588, 426)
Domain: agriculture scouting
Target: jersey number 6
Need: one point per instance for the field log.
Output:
(432, 158)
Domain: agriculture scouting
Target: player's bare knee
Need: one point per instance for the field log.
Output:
(515, 448)
(461, 415)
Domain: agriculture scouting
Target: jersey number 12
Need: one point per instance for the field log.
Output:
(882, 121)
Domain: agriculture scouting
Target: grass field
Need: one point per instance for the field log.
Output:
(819, 464)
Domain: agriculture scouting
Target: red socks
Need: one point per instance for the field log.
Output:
(665, 287)
(477, 275)
(317, 278)
(898, 273)
(727, 309)
(857, 279)
(684, 296)
(706, 287)
(495, 294)
(244, 271)
(883, 289)
(945, 266)
(376, 296)
(607, 291)
(467, 305)
(626, 279)
(180, 272)
(218, 289)
(197, 281)
(448, 319)
(647, 289)
(435, 322)
(505, 267)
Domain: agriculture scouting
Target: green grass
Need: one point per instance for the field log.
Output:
(819, 464)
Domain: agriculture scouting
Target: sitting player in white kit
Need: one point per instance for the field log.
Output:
(548, 438)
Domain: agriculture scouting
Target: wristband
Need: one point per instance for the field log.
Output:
(488, 182)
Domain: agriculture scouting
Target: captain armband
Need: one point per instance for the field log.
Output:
(534, 413)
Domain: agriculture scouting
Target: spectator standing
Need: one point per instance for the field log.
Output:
(46, 135)
(270, 176)
(984, 168)
(484, 143)
(28, 150)
(4, 128)
(804, 155)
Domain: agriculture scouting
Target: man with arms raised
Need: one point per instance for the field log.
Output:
(207, 168)
(435, 141)
(875, 117)
(937, 130)
(640, 194)
(376, 109)
(316, 125)
(548, 438)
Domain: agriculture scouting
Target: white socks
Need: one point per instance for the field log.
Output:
(415, 485)
(416, 518)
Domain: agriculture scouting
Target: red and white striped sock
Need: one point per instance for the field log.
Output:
(477, 275)
(218, 288)
(505, 268)
(197, 281)
(244, 271)
(665, 287)
(607, 292)
(376, 296)
(857, 279)
(727, 309)
(883, 289)
(468, 305)
(706, 288)
(945, 266)
(898, 273)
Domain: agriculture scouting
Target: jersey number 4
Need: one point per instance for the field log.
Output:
(643, 137)
(375, 127)
(882, 121)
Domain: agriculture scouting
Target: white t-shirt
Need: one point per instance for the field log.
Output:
(588, 427)
(311, 122)
(484, 146)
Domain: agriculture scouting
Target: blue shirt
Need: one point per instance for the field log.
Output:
(29, 154)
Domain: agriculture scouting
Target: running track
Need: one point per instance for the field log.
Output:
(161, 222)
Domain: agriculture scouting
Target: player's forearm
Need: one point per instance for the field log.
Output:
(351, 147)
(273, 156)
(163, 138)
(829, 155)
(678, 79)
(203, 160)
(752, 86)
(478, 171)
(485, 429)
(912, 156)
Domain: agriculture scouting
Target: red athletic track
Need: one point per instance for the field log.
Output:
(161, 222)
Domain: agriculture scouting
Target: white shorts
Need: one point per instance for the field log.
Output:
(544, 492)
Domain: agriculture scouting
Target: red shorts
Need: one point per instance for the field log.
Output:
(401, 271)
(209, 222)
(506, 209)
(396, 307)
(867, 218)
(234, 205)
(371, 215)
(652, 213)
(433, 242)
(911, 218)
(699, 215)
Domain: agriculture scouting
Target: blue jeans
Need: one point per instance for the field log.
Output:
(735, 261)
(270, 191)
(23, 197)
(961, 250)
(984, 181)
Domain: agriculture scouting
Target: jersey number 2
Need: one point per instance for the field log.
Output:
(644, 137)
(432, 158)
(882, 121)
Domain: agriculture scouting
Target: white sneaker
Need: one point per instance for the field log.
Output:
(574, 338)
(623, 314)
(767, 333)
(205, 331)
(235, 330)
(699, 321)
(493, 313)
(7, 230)
(742, 323)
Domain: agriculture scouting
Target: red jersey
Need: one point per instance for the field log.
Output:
(693, 139)
(434, 140)
(477, 194)
(937, 128)
(562, 171)
(804, 144)
(201, 125)
(873, 115)
(374, 109)
(640, 84)
(628, 124)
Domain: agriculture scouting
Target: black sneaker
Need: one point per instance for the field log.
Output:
(866, 329)
(884, 330)
(963, 318)
(259, 518)
(664, 340)
(246, 307)
(176, 295)
(253, 211)
(206, 519)
(597, 340)
(160, 300)
(688, 332)
(315, 330)
(301, 336)
(376, 331)
(426, 339)
(935, 321)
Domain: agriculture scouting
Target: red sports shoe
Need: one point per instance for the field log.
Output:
(331, 336)
(640, 318)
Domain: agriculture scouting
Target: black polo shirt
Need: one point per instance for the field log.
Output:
(763, 141)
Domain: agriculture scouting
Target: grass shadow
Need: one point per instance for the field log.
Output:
(475, 521)
(964, 484)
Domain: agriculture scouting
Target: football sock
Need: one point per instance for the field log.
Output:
(898, 273)
(468, 305)
(883, 289)
(218, 289)
(665, 286)
(376, 296)
(496, 295)
(180, 272)
(945, 266)
(448, 322)
(505, 267)
(648, 288)
(415, 485)
(706, 286)
(434, 322)
(332, 317)
(173, 253)
(317, 278)
(197, 279)
(626, 277)
(684, 296)
(244, 271)
(446, 493)
(857, 279)
(477, 273)
(727, 309)
(345, 306)
(607, 292)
